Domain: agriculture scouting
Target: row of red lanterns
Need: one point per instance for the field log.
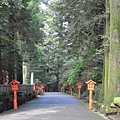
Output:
(15, 88)
(90, 87)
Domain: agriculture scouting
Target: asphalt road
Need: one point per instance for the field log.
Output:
(52, 106)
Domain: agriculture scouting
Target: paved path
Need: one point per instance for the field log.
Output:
(52, 106)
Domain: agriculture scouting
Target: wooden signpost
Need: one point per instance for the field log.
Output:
(90, 87)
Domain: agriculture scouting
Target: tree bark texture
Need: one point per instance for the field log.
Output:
(112, 57)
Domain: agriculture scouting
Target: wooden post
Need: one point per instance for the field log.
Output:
(90, 100)
(63, 88)
(42, 86)
(36, 90)
(71, 92)
(78, 93)
(14, 85)
(15, 100)
(79, 86)
(90, 85)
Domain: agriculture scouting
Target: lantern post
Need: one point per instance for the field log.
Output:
(36, 90)
(90, 87)
(42, 86)
(63, 88)
(79, 86)
(14, 85)
(71, 90)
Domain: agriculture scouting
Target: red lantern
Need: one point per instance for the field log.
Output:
(14, 85)
(36, 86)
(79, 85)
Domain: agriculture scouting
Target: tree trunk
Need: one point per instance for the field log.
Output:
(106, 48)
(19, 69)
(0, 65)
(112, 59)
(11, 72)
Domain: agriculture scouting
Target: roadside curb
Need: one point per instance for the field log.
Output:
(110, 118)
(105, 117)
(114, 117)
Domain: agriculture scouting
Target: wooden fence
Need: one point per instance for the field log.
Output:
(7, 88)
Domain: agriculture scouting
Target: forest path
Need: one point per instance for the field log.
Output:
(52, 106)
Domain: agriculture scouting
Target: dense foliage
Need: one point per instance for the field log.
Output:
(20, 30)
(60, 43)
(80, 26)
